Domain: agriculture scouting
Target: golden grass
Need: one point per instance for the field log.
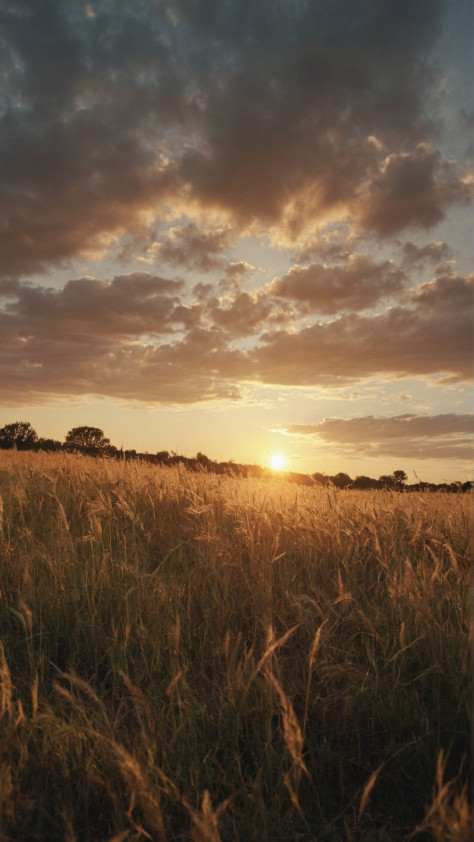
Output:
(191, 656)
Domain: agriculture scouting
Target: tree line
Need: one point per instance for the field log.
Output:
(91, 441)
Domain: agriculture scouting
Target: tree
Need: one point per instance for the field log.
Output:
(322, 479)
(87, 439)
(341, 480)
(20, 434)
(400, 477)
(363, 482)
(203, 459)
(49, 445)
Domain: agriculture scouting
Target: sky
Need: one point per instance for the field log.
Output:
(241, 228)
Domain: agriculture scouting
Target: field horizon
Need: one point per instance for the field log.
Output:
(91, 441)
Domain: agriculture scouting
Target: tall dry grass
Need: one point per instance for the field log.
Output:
(186, 656)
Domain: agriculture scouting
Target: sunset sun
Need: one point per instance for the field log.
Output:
(277, 462)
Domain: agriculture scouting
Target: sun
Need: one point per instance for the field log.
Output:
(277, 462)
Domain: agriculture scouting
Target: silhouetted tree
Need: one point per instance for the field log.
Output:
(49, 445)
(89, 440)
(395, 480)
(341, 480)
(19, 434)
(203, 459)
(365, 483)
(322, 479)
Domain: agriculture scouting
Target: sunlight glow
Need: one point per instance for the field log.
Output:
(277, 461)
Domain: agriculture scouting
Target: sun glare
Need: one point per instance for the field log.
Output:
(277, 461)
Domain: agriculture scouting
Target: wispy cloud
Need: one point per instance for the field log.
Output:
(446, 436)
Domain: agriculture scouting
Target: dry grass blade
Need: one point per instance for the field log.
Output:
(272, 646)
(449, 818)
(62, 517)
(291, 728)
(206, 820)
(367, 790)
(34, 695)
(315, 646)
(312, 655)
(292, 793)
(140, 794)
(140, 701)
(6, 686)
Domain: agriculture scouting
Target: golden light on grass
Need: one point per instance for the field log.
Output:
(324, 617)
(277, 462)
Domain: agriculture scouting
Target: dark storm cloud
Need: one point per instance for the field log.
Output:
(446, 436)
(357, 285)
(271, 112)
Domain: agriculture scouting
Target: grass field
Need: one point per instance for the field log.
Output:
(193, 657)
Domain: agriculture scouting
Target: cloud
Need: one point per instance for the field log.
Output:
(194, 248)
(357, 285)
(446, 436)
(273, 114)
(290, 134)
(414, 256)
(246, 313)
(331, 246)
(133, 337)
(83, 95)
(142, 336)
(430, 334)
(370, 429)
(236, 271)
(90, 309)
(411, 189)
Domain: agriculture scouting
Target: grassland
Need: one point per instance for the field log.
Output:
(186, 656)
